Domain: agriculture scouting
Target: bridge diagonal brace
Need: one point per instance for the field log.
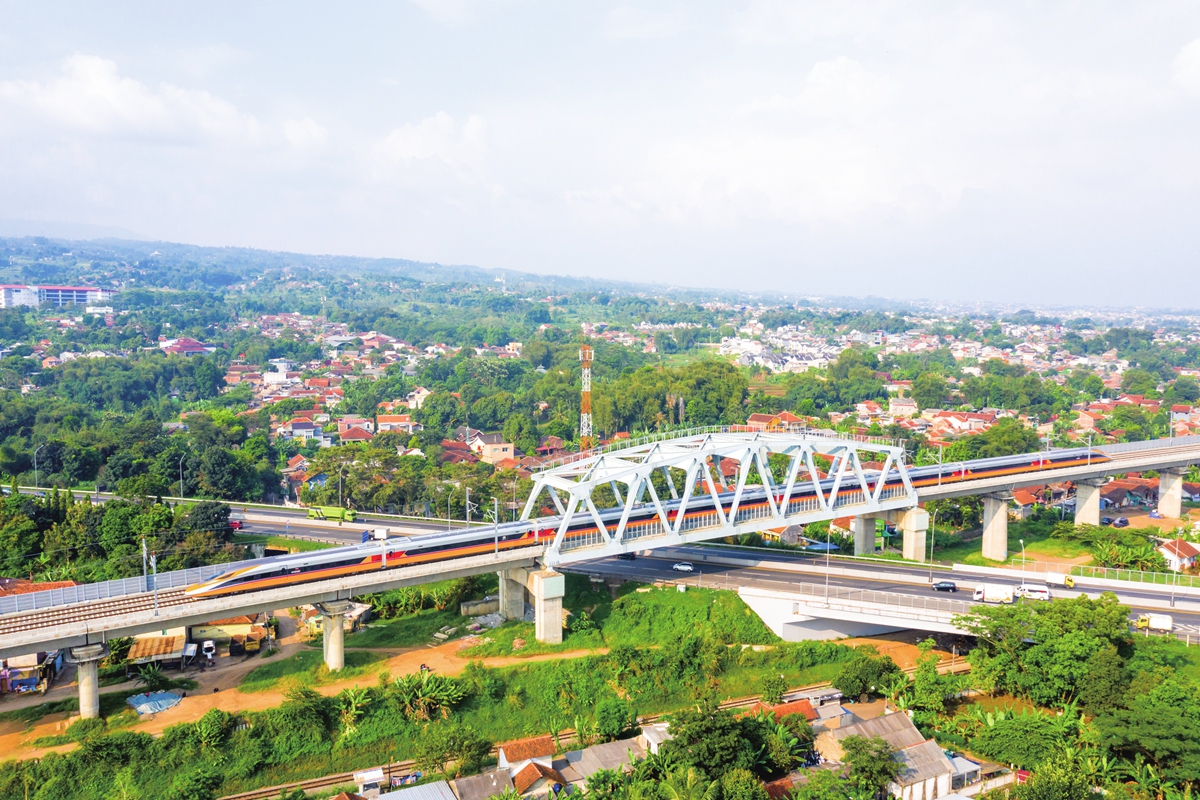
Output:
(744, 465)
(633, 496)
(790, 484)
(881, 481)
(715, 495)
(658, 506)
(764, 472)
(690, 487)
(556, 546)
(596, 518)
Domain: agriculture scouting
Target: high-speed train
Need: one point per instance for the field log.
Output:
(276, 571)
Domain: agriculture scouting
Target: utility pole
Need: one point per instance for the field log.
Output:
(181, 458)
(468, 507)
(496, 521)
(154, 571)
(145, 583)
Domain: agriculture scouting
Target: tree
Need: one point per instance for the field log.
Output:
(1061, 777)
(687, 784)
(928, 687)
(199, 784)
(613, 717)
(1106, 681)
(773, 687)
(1186, 388)
(709, 739)
(1139, 381)
(1159, 726)
(450, 742)
(207, 515)
(864, 673)
(740, 784)
(872, 762)
(930, 390)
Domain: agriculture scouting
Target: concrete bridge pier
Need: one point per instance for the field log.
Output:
(333, 632)
(863, 529)
(512, 594)
(1087, 501)
(914, 526)
(88, 658)
(546, 589)
(1170, 493)
(995, 527)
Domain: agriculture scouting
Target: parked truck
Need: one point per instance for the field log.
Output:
(1060, 579)
(1160, 623)
(333, 513)
(993, 593)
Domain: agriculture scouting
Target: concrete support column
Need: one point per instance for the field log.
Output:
(88, 658)
(914, 525)
(1170, 493)
(995, 527)
(1087, 501)
(547, 588)
(333, 632)
(863, 529)
(512, 594)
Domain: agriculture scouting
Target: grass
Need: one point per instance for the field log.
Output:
(280, 542)
(636, 618)
(410, 631)
(308, 668)
(1038, 542)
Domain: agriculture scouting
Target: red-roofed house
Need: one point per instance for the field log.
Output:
(1180, 554)
(356, 434)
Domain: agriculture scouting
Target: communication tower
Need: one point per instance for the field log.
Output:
(585, 401)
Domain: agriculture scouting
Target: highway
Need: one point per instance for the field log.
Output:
(1186, 613)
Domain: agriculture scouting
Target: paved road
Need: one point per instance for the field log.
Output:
(1186, 615)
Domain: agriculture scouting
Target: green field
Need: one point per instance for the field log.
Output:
(307, 668)
(410, 631)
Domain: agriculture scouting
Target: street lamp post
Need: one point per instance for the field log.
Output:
(35, 465)
(1022, 541)
(828, 544)
(181, 458)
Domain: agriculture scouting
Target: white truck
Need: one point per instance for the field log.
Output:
(993, 593)
(1160, 623)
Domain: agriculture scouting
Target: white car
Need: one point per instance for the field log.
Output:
(1033, 592)
(683, 566)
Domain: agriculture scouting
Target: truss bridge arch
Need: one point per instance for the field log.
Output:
(714, 483)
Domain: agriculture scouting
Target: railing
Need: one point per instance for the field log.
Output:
(116, 588)
(907, 602)
(687, 433)
(1150, 444)
(1113, 573)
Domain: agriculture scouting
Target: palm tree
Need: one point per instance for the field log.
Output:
(422, 695)
(689, 784)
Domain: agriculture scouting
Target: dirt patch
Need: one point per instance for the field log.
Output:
(443, 659)
(904, 653)
(1142, 519)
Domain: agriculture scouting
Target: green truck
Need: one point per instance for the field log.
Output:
(333, 512)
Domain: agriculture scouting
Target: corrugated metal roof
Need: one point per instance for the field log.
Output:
(438, 790)
(156, 647)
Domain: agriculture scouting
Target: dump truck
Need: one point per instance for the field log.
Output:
(993, 593)
(1161, 623)
(333, 513)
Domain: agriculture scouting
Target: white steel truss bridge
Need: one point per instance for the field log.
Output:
(681, 490)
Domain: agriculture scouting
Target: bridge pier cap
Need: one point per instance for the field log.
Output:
(88, 658)
(824, 478)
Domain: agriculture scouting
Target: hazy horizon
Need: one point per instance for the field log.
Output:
(965, 153)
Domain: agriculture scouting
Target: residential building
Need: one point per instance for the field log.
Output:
(397, 422)
(1180, 554)
(491, 447)
(483, 786)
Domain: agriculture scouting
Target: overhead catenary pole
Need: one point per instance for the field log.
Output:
(585, 398)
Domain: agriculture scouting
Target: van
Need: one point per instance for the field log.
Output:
(1033, 592)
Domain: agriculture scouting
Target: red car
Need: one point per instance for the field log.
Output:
(236, 524)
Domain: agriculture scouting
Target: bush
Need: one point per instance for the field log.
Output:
(1024, 740)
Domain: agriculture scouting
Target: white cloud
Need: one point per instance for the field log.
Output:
(304, 133)
(1186, 67)
(438, 137)
(90, 96)
(629, 22)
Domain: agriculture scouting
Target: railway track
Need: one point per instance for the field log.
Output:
(93, 609)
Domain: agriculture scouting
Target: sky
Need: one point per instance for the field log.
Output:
(1007, 152)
